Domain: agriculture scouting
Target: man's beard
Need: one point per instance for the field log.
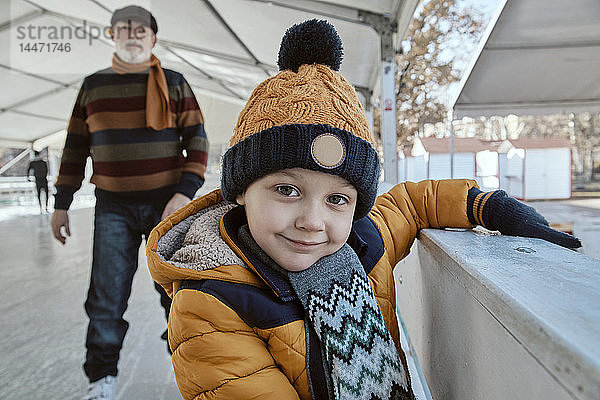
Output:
(133, 56)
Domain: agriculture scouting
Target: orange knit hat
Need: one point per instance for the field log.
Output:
(306, 116)
(314, 94)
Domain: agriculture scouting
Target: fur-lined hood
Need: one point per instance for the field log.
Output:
(188, 245)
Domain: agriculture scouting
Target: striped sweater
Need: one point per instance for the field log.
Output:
(130, 160)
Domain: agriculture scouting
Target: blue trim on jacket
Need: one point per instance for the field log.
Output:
(259, 308)
(367, 243)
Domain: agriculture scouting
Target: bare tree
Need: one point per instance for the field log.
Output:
(586, 132)
(441, 36)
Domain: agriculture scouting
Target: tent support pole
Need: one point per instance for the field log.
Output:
(386, 28)
(388, 122)
(451, 128)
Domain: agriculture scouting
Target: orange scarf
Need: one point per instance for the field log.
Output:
(157, 93)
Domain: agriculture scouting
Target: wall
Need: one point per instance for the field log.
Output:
(510, 172)
(498, 317)
(548, 174)
(439, 166)
(416, 168)
(487, 170)
(482, 166)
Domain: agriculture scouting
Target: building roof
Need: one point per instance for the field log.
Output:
(435, 145)
(540, 143)
(461, 145)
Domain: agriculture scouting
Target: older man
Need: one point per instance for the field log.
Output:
(134, 119)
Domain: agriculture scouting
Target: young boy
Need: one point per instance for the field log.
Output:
(282, 281)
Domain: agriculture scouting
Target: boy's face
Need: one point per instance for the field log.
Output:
(298, 216)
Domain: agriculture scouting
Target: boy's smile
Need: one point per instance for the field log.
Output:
(298, 216)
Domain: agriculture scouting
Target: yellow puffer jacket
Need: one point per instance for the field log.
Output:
(236, 329)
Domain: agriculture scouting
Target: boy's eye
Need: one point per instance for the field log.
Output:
(337, 199)
(287, 190)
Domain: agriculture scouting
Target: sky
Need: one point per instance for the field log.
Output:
(488, 8)
(467, 50)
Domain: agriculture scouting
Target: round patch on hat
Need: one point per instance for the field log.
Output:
(328, 150)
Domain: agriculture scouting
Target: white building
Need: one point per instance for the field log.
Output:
(429, 158)
(526, 168)
(536, 168)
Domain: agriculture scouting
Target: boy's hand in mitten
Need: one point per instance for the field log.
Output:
(499, 212)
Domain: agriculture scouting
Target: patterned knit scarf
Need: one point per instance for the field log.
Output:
(157, 92)
(360, 356)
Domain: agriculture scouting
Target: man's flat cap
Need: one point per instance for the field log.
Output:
(135, 13)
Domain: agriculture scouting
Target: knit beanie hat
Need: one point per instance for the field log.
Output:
(307, 116)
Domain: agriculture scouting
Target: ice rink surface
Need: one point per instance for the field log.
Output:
(43, 288)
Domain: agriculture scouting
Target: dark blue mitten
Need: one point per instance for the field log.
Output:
(499, 212)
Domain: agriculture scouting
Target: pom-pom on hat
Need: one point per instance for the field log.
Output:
(307, 116)
(312, 42)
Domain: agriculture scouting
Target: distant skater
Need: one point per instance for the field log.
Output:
(40, 173)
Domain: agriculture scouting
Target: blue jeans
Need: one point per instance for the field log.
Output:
(118, 230)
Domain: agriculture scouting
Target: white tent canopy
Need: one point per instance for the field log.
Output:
(537, 57)
(224, 49)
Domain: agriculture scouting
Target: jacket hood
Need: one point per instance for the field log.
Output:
(188, 245)
(194, 242)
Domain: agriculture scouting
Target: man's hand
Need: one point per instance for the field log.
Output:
(177, 201)
(60, 219)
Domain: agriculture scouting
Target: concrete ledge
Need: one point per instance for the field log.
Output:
(499, 317)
